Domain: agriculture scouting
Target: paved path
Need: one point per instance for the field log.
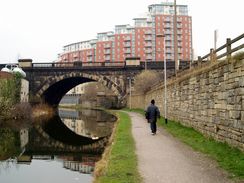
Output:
(163, 159)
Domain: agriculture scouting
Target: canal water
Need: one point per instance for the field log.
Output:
(63, 149)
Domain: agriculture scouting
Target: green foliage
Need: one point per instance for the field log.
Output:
(122, 165)
(229, 158)
(9, 143)
(9, 93)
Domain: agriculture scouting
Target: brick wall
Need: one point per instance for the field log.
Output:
(209, 98)
(5, 75)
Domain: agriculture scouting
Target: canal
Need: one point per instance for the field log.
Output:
(61, 149)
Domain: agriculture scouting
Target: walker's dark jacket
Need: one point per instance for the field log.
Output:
(152, 113)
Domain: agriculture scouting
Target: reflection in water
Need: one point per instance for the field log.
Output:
(62, 149)
(88, 123)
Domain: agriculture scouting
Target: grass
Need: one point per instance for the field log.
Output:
(122, 160)
(229, 158)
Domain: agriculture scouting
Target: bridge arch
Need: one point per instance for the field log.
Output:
(54, 88)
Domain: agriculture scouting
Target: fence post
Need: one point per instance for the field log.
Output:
(199, 60)
(212, 55)
(228, 49)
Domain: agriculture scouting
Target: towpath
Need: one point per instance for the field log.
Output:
(163, 159)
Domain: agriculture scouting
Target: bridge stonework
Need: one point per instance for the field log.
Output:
(209, 98)
(50, 85)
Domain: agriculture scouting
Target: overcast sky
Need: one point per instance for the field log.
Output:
(39, 29)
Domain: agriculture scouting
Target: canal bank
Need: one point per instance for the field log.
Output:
(163, 158)
(119, 161)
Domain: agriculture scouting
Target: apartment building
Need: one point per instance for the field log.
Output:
(144, 39)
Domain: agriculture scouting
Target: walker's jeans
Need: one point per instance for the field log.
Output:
(153, 127)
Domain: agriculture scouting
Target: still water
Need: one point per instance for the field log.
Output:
(63, 149)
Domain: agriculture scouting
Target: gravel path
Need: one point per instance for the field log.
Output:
(162, 158)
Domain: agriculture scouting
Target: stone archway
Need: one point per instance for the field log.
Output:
(54, 88)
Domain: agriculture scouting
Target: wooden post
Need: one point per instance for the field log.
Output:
(199, 60)
(212, 55)
(228, 49)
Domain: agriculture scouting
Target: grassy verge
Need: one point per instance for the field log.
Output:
(122, 160)
(229, 158)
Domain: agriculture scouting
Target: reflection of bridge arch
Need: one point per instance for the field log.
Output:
(50, 144)
(53, 89)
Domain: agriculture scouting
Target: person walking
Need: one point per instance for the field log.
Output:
(152, 114)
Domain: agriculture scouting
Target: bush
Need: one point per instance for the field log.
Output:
(9, 94)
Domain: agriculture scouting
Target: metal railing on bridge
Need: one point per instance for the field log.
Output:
(102, 65)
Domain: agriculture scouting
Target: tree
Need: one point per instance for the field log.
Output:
(91, 90)
(145, 80)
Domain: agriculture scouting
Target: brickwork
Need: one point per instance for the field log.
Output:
(209, 99)
(5, 75)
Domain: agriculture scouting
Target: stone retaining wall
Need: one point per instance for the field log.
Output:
(209, 98)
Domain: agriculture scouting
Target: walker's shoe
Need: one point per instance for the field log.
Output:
(153, 133)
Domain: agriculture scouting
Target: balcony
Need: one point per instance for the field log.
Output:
(168, 32)
(168, 25)
(127, 45)
(148, 32)
(167, 21)
(106, 46)
(148, 44)
(179, 32)
(169, 45)
(148, 51)
(168, 38)
(107, 58)
(127, 55)
(168, 51)
(179, 25)
(148, 57)
(148, 38)
(127, 38)
(127, 51)
(107, 52)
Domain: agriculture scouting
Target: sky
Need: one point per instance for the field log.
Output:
(38, 29)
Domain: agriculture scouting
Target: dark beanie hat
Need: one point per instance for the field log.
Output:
(153, 101)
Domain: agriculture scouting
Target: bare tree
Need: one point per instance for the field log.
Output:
(145, 80)
(91, 90)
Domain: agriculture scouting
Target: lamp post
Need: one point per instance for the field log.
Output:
(175, 39)
(165, 75)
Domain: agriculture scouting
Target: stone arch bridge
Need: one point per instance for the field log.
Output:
(49, 82)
